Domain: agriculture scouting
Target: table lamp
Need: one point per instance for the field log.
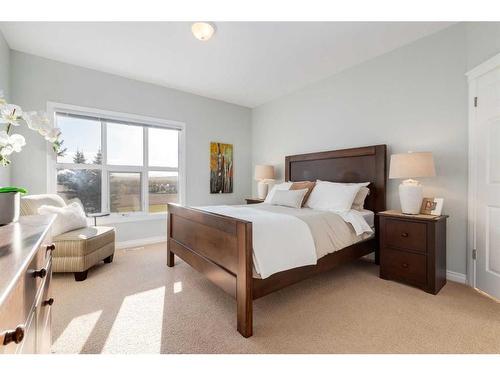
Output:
(264, 174)
(409, 166)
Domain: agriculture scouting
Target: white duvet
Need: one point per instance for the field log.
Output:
(281, 240)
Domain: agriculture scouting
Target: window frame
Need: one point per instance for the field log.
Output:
(125, 118)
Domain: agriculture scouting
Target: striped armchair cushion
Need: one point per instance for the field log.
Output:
(83, 241)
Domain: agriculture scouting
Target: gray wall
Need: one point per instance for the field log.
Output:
(414, 98)
(483, 42)
(5, 86)
(35, 81)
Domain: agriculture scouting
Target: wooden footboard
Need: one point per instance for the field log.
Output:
(218, 246)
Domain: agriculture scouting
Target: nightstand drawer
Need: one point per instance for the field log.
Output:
(406, 235)
(404, 266)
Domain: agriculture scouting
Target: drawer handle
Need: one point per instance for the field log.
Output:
(51, 247)
(15, 336)
(404, 265)
(49, 302)
(404, 234)
(40, 273)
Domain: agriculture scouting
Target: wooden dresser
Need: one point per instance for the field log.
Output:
(25, 294)
(413, 249)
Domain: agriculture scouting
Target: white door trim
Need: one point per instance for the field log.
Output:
(472, 76)
(484, 67)
(471, 189)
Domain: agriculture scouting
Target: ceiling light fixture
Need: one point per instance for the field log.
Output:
(203, 30)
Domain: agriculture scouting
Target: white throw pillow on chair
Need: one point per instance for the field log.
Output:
(68, 218)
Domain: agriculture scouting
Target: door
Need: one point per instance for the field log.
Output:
(486, 173)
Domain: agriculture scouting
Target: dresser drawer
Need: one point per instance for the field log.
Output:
(11, 317)
(34, 277)
(406, 235)
(401, 265)
(44, 315)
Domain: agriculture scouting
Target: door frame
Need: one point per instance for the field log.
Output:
(472, 76)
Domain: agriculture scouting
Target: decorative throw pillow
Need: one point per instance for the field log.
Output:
(282, 186)
(359, 200)
(309, 185)
(68, 218)
(289, 198)
(333, 196)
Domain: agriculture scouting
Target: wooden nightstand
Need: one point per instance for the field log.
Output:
(254, 200)
(413, 249)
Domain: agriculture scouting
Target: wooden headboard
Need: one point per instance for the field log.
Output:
(360, 164)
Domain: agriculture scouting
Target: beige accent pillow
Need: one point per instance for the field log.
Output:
(300, 185)
(289, 198)
(282, 186)
(359, 201)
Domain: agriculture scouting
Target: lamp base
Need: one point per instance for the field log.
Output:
(410, 196)
(262, 188)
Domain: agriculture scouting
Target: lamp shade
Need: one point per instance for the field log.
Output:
(412, 164)
(264, 172)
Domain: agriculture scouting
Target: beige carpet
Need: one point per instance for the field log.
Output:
(138, 305)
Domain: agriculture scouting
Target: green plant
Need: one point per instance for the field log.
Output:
(13, 189)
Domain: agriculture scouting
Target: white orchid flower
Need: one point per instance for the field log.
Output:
(10, 114)
(10, 144)
(6, 150)
(4, 138)
(39, 121)
(17, 141)
(36, 120)
(52, 135)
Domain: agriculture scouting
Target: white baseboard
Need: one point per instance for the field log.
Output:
(450, 275)
(456, 277)
(140, 242)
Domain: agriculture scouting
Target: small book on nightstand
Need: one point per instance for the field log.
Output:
(413, 249)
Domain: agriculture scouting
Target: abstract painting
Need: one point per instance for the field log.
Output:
(221, 167)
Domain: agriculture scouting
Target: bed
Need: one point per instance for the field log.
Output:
(221, 246)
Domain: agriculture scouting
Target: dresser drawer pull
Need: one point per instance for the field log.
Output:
(15, 336)
(404, 234)
(404, 265)
(40, 273)
(49, 302)
(51, 247)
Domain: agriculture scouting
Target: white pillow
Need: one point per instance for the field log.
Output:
(282, 186)
(333, 196)
(289, 198)
(68, 218)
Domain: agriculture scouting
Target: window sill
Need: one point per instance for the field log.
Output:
(128, 218)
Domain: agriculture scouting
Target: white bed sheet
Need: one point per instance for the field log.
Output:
(369, 216)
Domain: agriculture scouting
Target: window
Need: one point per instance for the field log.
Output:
(118, 166)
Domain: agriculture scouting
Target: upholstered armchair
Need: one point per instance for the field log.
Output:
(78, 250)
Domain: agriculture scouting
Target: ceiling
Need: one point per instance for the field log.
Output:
(246, 63)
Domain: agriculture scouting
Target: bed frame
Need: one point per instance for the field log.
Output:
(220, 247)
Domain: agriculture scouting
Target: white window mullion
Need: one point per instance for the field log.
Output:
(144, 174)
(77, 166)
(105, 175)
(181, 166)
